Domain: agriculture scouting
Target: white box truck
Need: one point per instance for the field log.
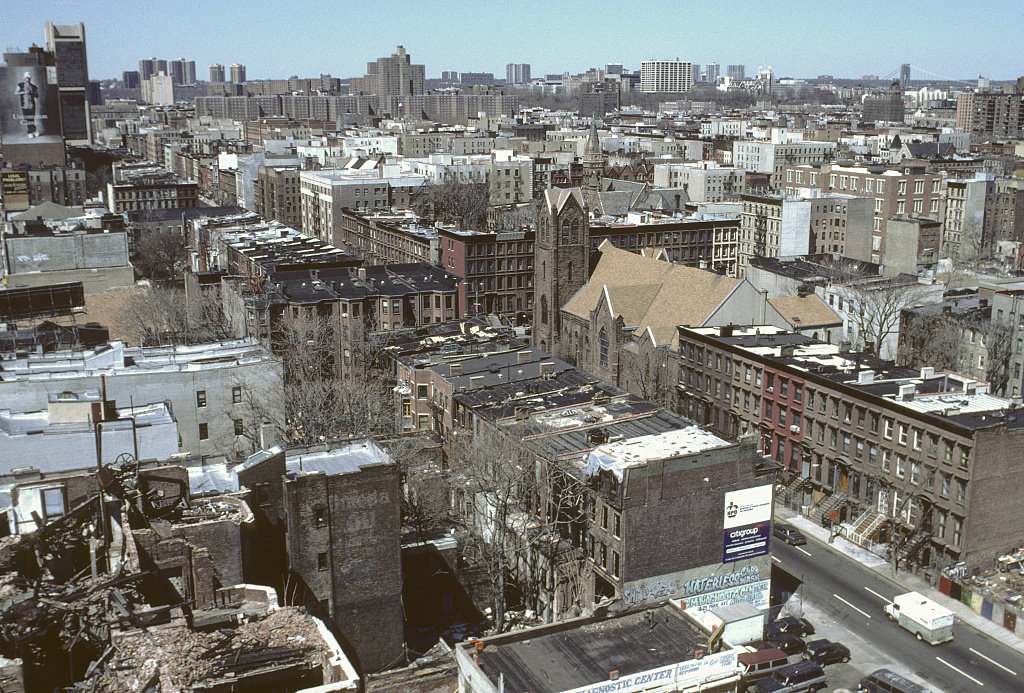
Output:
(924, 618)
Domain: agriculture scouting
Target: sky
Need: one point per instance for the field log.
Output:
(941, 39)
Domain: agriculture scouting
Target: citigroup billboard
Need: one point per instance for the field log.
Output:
(746, 523)
(29, 110)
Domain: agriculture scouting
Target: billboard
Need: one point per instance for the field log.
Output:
(746, 523)
(14, 190)
(747, 506)
(29, 108)
(740, 543)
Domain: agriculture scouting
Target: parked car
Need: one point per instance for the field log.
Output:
(789, 534)
(885, 681)
(760, 663)
(787, 642)
(793, 625)
(826, 652)
(796, 678)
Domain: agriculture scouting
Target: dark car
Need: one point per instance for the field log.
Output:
(826, 652)
(788, 643)
(789, 534)
(795, 678)
(885, 681)
(793, 625)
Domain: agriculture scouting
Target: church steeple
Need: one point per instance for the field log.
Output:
(593, 159)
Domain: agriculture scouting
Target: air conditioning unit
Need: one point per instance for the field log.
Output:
(794, 429)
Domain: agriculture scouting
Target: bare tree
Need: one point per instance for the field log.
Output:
(332, 388)
(928, 340)
(646, 372)
(160, 255)
(999, 343)
(165, 316)
(453, 202)
(874, 308)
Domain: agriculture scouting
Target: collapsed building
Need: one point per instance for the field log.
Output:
(122, 580)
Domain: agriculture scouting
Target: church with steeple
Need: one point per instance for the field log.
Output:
(561, 260)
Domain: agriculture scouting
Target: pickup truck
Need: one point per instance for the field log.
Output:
(924, 618)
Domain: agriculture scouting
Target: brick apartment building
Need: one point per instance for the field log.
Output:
(919, 459)
(332, 511)
(611, 468)
(277, 194)
(497, 270)
(907, 190)
(384, 237)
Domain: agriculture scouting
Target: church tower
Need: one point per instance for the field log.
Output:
(561, 260)
(593, 160)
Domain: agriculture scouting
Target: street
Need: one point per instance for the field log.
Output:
(853, 595)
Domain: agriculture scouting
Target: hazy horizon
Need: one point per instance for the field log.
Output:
(277, 40)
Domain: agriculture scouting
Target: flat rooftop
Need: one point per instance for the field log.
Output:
(619, 456)
(342, 460)
(564, 659)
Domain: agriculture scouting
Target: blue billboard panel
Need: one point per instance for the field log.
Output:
(748, 541)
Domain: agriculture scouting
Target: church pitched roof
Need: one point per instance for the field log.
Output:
(803, 312)
(555, 198)
(651, 294)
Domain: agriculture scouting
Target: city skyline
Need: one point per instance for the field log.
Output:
(792, 41)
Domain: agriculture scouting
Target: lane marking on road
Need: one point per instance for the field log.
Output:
(850, 605)
(802, 550)
(965, 675)
(776, 559)
(883, 598)
(993, 661)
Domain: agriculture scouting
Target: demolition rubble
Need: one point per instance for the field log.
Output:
(137, 586)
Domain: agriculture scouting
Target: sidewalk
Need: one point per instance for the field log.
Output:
(906, 580)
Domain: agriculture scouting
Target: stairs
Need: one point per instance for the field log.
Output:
(864, 529)
(826, 506)
(913, 546)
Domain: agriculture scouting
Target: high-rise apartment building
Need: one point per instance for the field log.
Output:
(216, 72)
(671, 76)
(517, 73)
(237, 73)
(713, 72)
(150, 67)
(130, 79)
(736, 72)
(183, 71)
(397, 76)
(991, 113)
(67, 43)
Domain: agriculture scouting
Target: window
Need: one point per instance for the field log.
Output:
(757, 377)
(204, 431)
(769, 382)
(321, 561)
(958, 528)
(933, 445)
(846, 413)
(946, 481)
(915, 472)
(239, 430)
(961, 491)
(833, 436)
(903, 434)
(887, 429)
(901, 466)
(200, 398)
(940, 524)
(810, 398)
(421, 392)
(798, 392)
(835, 408)
(963, 458)
(846, 442)
(319, 516)
(947, 453)
(886, 460)
(767, 410)
(603, 337)
(783, 387)
(918, 187)
(782, 416)
(918, 438)
(236, 394)
(747, 375)
(872, 454)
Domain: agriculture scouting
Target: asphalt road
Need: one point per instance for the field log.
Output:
(854, 595)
